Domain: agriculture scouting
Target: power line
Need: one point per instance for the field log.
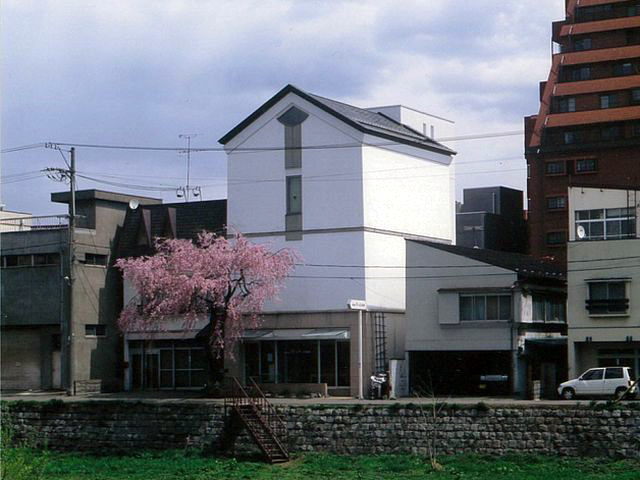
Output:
(419, 277)
(165, 188)
(329, 265)
(477, 136)
(23, 147)
(20, 177)
(249, 149)
(352, 176)
(339, 265)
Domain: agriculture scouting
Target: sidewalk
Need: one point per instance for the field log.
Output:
(191, 397)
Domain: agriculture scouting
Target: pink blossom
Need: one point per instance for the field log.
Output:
(231, 278)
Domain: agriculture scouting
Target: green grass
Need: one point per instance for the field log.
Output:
(175, 465)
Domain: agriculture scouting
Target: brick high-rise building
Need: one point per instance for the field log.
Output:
(587, 131)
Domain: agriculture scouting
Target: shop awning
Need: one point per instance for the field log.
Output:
(297, 334)
(547, 342)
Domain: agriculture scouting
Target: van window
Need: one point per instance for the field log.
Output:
(595, 374)
(614, 372)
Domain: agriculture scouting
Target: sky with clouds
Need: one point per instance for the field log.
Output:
(141, 72)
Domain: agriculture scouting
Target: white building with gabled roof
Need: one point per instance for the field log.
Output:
(343, 186)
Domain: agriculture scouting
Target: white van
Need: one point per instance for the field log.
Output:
(609, 381)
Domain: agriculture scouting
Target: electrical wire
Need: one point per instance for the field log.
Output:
(23, 147)
(419, 277)
(150, 188)
(353, 176)
(339, 265)
(250, 149)
(27, 176)
(408, 267)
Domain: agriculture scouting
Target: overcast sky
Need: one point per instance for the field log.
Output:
(141, 72)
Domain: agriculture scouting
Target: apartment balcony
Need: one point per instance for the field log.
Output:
(600, 55)
(605, 115)
(599, 26)
(600, 85)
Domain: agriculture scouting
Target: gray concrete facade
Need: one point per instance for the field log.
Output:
(59, 315)
(345, 320)
(505, 344)
(599, 338)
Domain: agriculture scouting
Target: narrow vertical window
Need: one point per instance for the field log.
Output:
(292, 120)
(294, 194)
(293, 218)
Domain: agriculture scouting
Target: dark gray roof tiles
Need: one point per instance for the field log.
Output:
(376, 121)
(366, 121)
(523, 265)
(190, 219)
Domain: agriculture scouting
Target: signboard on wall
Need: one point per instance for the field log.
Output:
(357, 304)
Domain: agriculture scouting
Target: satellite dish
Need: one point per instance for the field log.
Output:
(581, 232)
(133, 204)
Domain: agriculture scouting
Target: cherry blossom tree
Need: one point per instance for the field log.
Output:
(226, 280)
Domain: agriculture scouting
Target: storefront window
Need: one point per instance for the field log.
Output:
(298, 361)
(167, 365)
(268, 362)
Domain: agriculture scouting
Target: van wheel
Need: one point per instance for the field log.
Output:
(568, 394)
(620, 392)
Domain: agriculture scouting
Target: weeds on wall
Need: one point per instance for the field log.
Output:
(19, 458)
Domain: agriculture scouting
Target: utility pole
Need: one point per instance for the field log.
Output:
(62, 175)
(72, 262)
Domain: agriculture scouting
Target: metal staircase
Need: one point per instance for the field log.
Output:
(380, 339)
(260, 418)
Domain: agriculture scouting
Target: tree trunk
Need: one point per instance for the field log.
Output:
(215, 356)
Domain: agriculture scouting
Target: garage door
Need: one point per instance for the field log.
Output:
(21, 360)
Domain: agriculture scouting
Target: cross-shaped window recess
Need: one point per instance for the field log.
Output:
(292, 120)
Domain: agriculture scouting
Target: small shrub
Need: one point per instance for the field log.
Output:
(482, 407)
(20, 460)
(394, 407)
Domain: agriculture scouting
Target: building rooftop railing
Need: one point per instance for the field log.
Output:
(29, 222)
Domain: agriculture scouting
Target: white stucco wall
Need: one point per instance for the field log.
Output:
(340, 206)
(385, 272)
(321, 288)
(426, 330)
(331, 177)
(408, 193)
(592, 261)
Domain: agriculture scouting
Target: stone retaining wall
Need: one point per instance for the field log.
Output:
(121, 426)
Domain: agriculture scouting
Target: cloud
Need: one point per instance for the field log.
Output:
(142, 72)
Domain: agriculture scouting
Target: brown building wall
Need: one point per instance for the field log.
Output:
(618, 166)
(614, 146)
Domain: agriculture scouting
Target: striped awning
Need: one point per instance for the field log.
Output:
(297, 334)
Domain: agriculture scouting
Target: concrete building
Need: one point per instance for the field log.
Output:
(170, 358)
(603, 279)
(587, 130)
(58, 315)
(491, 218)
(343, 186)
(483, 322)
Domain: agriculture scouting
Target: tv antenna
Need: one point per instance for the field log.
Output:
(184, 191)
